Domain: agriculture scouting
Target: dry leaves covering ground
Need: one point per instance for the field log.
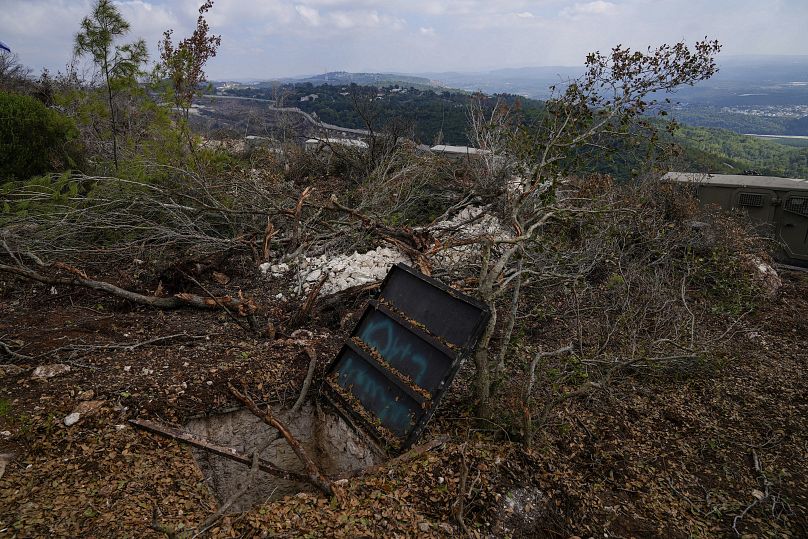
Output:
(658, 457)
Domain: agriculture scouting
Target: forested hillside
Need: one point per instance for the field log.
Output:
(433, 117)
(740, 152)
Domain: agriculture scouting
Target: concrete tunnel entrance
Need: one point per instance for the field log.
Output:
(329, 439)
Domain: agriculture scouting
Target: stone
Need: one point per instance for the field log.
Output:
(88, 407)
(72, 419)
(5, 458)
(767, 276)
(49, 371)
(314, 276)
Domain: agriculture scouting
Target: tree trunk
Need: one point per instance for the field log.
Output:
(112, 116)
(483, 371)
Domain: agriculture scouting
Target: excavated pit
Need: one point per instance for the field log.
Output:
(329, 439)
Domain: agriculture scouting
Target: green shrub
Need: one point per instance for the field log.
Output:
(33, 138)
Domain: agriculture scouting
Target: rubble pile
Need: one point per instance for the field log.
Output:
(471, 222)
(344, 271)
(341, 271)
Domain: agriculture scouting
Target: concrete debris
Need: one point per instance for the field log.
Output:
(72, 419)
(49, 371)
(471, 222)
(344, 271)
(767, 276)
(275, 269)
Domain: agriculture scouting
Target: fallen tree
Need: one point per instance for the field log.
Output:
(243, 306)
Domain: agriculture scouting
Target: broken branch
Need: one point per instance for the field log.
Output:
(227, 452)
(307, 382)
(314, 475)
(175, 302)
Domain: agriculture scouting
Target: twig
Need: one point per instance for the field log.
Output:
(307, 382)
(11, 353)
(458, 506)
(227, 452)
(313, 476)
(175, 302)
(302, 314)
(123, 346)
(412, 454)
(212, 519)
(219, 303)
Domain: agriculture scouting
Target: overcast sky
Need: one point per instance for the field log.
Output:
(271, 38)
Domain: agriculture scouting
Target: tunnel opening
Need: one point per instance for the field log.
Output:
(330, 440)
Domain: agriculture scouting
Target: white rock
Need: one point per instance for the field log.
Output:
(72, 419)
(265, 267)
(49, 371)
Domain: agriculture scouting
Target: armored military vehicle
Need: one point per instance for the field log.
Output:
(779, 206)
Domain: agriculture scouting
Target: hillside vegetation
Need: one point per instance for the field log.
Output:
(442, 117)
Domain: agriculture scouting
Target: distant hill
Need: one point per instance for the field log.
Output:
(532, 82)
(442, 115)
(341, 78)
(369, 79)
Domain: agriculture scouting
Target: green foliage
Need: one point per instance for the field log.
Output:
(5, 407)
(119, 64)
(41, 194)
(96, 38)
(33, 138)
(743, 152)
(435, 116)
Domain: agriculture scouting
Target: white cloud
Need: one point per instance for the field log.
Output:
(309, 14)
(268, 38)
(597, 7)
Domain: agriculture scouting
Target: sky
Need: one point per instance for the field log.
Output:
(264, 39)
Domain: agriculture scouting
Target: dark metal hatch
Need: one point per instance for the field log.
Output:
(389, 377)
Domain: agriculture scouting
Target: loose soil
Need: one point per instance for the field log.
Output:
(658, 456)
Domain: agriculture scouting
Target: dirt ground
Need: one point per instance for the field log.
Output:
(720, 452)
